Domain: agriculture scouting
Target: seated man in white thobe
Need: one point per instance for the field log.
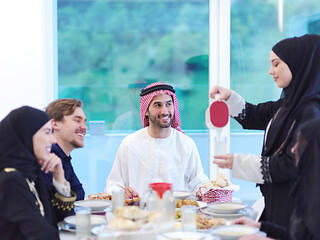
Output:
(159, 152)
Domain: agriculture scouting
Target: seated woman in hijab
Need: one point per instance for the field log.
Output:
(26, 208)
(304, 222)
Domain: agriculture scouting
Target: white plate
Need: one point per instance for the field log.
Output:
(226, 207)
(179, 194)
(66, 227)
(233, 232)
(149, 234)
(200, 203)
(95, 220)
(208, 211)
(96, 205)
(186, 236)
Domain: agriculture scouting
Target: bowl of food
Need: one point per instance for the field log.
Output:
(130, 223)
(181, 194)
(226, 207)
(233, 232)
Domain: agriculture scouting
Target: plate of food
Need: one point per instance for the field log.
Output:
(106, 196)
(226, 207)
(96, 205)
(233, 232)
(198, 204)
(130, 223)
(100, 196)
(205, 223)
(181, 194)
(95, 220)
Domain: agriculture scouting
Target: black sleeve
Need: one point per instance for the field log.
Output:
(19, 207)
(258, 116)
(62, 206)
(76, 186)
(275, 231)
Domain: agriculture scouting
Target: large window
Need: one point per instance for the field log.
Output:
(109, 50)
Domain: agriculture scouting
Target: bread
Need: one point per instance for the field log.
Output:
(130, 218)
(180, 203)
(221, 182)
(131, 212)
(101, 196)
(106, 196)
(118, 223)
(205, 223)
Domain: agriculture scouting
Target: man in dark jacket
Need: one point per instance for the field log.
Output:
(69, 129)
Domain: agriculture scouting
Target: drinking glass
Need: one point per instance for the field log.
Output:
(117, 199)
(220, 145)
(83, 222)
(189, 218)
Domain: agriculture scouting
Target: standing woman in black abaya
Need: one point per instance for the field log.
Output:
(304, 222)
(295, 67)
(26, 208)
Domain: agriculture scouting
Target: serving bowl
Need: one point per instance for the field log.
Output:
(181, 194)
(226, 207)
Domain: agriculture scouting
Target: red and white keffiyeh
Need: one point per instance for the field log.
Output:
(146, 100)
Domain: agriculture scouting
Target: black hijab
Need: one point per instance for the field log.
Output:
(16, 147)
(302, 55)
(307, 191)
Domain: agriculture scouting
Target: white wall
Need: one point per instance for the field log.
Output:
(23, 52)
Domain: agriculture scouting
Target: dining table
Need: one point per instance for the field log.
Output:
(67, 228)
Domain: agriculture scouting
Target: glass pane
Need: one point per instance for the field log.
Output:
(109, 50)
(256, 25)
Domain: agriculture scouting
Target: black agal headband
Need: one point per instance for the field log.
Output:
(146, 91)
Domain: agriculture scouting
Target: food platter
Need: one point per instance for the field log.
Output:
(200, 203)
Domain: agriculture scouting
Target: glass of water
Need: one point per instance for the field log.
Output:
(83, 222)
(189, 217)
(117, 199)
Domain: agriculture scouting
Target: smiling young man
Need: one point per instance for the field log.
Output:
(69, 129)
(160, 152)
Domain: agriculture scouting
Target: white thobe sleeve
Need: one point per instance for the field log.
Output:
(116, 179)
(247, 167)
(196, 174)
(235, 104)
